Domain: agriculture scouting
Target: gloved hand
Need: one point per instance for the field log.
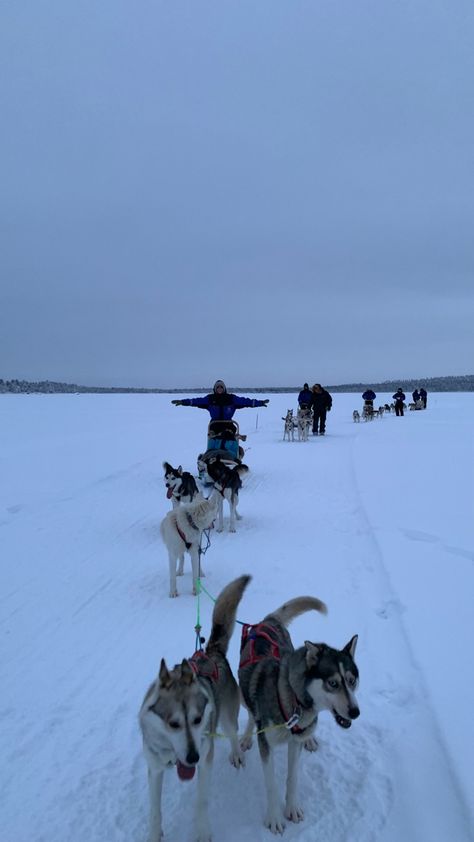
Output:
(177, 403)
(265, 402)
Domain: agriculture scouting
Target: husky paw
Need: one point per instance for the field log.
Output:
(237, 759)
(232, 529)
(219, 529)
(276, 824)
(238, 516)
(246, 743)
(294, 813)
(173, 594)
(311, 744)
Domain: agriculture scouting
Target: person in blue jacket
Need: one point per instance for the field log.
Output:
(369, 397)
(220, 403)
(305, 397)
(399, 397)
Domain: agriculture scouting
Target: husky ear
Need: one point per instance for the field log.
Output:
(179, 469)
(163, 675)
(313, 652)
(350, 647)
(186, 672)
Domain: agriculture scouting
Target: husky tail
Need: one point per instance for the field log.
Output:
(223, 617)
(287, 612)
(241, 469)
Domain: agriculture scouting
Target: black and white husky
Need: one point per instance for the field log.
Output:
(181, 530)
(227, 482)
(181, 711)
(181, 485)
(285, 689)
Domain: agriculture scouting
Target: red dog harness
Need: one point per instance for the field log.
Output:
(202, 665)
(263, 631)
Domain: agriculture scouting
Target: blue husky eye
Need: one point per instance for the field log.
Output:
(333, 684)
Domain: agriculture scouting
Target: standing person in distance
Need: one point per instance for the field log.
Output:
(220, 403)
(424, 396)
(321, 402)
(416, 396)
(369, 397)
(305, 396)
(399, 397)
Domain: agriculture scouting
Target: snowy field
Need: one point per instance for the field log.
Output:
(376, 519)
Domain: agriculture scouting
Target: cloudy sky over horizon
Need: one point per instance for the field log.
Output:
(268, 192)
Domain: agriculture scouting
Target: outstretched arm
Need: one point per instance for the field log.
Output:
(240, 402)
(201, 403)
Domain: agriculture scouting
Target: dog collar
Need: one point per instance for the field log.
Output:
(191, 522)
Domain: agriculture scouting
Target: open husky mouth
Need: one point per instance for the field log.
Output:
(185, 773)
(169, 493)
(344, 723)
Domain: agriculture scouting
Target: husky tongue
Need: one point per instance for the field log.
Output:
(185, 773)
(169, 493)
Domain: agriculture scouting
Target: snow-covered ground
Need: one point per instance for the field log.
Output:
(375, 519)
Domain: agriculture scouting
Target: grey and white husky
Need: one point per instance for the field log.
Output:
(227, 482)
(285, 689)
(181, 530)
(181, 711)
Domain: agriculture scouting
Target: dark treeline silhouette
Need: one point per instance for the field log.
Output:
(460, 383)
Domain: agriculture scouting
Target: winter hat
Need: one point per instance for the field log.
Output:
(305, 386)
(219, 383)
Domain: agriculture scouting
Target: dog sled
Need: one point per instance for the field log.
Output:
(223, 440)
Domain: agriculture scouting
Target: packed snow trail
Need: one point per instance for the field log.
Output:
(86, 619)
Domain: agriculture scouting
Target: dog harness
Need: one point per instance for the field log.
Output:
(187, 544)
(264, 631)
(203, 666)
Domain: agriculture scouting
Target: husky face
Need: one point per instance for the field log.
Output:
(178, 713)
(172, 478)
(333, 680)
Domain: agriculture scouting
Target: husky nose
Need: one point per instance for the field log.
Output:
(192, 757)
(354, 713)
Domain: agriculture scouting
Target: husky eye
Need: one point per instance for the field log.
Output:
(351, 681)
(333, 684)
(174, 724)
(198, 720)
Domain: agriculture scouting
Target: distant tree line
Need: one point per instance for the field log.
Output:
(460, 383)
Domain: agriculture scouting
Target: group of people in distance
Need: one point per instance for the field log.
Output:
(222, 404)
(399, 397)
(320, 401)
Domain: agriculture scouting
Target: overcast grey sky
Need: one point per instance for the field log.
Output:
(266, 191)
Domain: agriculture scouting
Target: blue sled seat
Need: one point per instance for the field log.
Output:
(230, 445)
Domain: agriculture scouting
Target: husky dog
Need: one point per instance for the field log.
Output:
(387, 407)
(181, 530)
(303, 421)
(227, 482)
(181, 710)
(181, 485)
(356, 416)
(285, 689)
(289, 428)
